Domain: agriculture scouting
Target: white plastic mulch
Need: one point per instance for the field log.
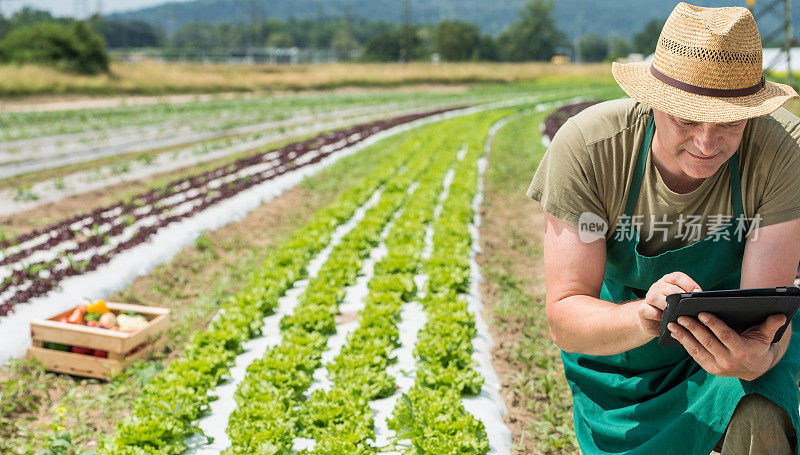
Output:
(412, 319)
(488, 405)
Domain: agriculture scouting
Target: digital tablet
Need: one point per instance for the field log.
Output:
(740, 309)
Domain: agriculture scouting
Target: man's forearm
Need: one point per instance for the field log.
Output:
(588, 325)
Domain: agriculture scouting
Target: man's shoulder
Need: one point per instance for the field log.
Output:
(781, 122)
(773, 137)
(609, 119)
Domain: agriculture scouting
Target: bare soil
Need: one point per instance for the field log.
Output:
(501, 222)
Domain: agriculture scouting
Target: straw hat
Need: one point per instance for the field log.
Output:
(707, 68)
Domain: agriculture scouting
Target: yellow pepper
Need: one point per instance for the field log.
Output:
(97, 307)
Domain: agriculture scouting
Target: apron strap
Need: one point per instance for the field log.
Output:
(638, 173)
(736, 188)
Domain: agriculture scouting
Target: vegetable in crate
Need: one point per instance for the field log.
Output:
(131, 323)
(108, 320)
(98, 307)
(80, 350)
(77, 315)
(56, 346)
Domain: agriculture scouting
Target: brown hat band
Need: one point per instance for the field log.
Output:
(715, 92)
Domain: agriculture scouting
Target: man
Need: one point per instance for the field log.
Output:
(693, 184)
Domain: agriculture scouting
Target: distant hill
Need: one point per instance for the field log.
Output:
(576, 17)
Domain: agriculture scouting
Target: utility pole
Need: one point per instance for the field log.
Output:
(80, 9)
(788, 39)
(3, 15)
(171, 28)
(347, 8)
(254, 20)
(771, 9)
(405, 47)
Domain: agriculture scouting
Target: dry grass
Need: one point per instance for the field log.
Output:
(151, 77)
(793, 106)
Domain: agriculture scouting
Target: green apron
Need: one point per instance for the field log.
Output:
(657, 400)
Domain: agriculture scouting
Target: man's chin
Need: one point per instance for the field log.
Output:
(701, 171)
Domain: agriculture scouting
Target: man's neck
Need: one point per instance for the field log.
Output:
(673, 176)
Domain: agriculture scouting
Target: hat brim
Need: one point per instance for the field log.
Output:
(637, 81)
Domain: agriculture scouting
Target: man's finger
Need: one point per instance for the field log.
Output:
(729, 338)
(647, 311)
(660, 293)
(683, 281)
(693, 347)
(706, 338)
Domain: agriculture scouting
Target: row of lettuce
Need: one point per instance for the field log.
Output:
(272, 408)
(169, 406)
(269, 412)
(340, 420)
(431, 414)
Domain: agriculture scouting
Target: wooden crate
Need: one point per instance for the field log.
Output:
(123, 348)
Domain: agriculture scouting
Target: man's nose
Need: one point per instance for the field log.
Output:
(706, 139)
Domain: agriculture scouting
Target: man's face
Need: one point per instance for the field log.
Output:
(695, 149)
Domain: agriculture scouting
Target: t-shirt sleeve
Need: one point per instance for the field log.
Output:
(564, 183)
(781, 197)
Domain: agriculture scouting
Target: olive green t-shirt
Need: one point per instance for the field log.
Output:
(590, 162)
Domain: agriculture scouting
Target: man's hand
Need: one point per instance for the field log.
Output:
(721, 351)
(652, 307)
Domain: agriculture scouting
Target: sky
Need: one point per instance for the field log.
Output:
(79, 8)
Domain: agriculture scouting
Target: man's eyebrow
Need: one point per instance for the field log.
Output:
(683, 120)
(692, 122)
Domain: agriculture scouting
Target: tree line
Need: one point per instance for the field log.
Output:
(36, 36)
(533, 36)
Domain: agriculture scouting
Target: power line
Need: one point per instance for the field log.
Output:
(80, 8)
(783, 16)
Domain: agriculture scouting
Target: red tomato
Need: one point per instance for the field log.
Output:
(80, 350)
(99, 353)
(77, 315)
(91, 323)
